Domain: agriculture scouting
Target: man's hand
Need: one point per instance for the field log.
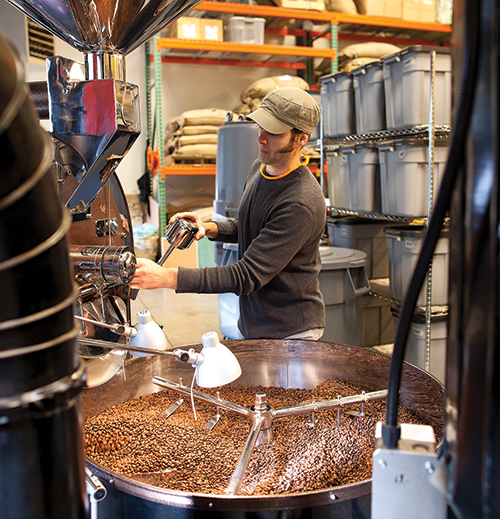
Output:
(208, 229)
(149, 274)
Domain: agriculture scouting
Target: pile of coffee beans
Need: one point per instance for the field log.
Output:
(136, 440)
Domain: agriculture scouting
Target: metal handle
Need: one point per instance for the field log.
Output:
(180, 234)
(95, 489)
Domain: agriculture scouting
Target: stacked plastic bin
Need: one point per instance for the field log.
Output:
(373, 173)
(404, 244)
(389, 94)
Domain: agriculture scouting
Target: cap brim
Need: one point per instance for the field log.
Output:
(268, 122)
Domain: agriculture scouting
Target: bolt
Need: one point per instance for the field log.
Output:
(382, 464)
(260, 401)
(429, 467)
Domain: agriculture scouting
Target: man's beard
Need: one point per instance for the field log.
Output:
(288, 148)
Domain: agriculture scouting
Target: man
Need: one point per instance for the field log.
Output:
(280, 222)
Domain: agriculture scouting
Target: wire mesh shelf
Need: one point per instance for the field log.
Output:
(417, 132)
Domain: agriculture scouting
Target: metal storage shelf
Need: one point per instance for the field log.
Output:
(377, 216)
(341, 26)
(188, 169)
(429, 131)
(237, 54)
(418, 132)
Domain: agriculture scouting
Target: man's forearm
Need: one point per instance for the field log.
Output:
(211, 230)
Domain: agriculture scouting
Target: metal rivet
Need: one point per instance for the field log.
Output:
(382, 463)
(429, 467)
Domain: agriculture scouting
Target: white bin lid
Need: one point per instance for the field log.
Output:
(341, 258)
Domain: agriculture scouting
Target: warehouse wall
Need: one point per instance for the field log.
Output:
(184, 87)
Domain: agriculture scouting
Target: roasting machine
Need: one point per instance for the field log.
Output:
(94, 119)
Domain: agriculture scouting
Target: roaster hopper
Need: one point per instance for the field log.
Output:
(302, 364)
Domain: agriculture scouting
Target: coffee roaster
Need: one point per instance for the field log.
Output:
(94, 118)
(40, 420)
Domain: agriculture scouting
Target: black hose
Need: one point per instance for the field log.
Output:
(391, 430)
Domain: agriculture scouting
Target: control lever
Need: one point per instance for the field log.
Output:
(180, 234)
(119, 329)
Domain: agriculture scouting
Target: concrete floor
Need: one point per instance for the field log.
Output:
(186, 317)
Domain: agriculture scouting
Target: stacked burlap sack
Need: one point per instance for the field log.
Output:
(358, 54)
(341, 6)
(192, 136)
(252, 96)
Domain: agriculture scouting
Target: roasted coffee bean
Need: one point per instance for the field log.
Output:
(134, 439)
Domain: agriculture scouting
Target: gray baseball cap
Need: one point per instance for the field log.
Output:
(285, 108)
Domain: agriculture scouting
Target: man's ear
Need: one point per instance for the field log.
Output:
(303, 139)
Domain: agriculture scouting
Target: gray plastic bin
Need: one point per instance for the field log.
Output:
(369, 97)
(363, 171)
(404, 243)
(342, 281)
(229, 303)
(362, 234)
(404, 176)
(407, 86)
(337, 104)
(339, 188)
(416, 344)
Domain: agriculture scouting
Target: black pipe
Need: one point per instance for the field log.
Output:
(42, 471)
(390, 429)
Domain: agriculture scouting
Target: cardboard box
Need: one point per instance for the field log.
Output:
(211, 29)
(316, 5)
(385, 8)
(419, 10)
(185, 28)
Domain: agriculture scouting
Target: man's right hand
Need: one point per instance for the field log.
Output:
(149, 275)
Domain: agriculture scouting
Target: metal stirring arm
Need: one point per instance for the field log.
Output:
(184, 390)
(241, 467)
(328, 404)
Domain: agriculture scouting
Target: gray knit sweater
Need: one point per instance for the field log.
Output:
(278, 229)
